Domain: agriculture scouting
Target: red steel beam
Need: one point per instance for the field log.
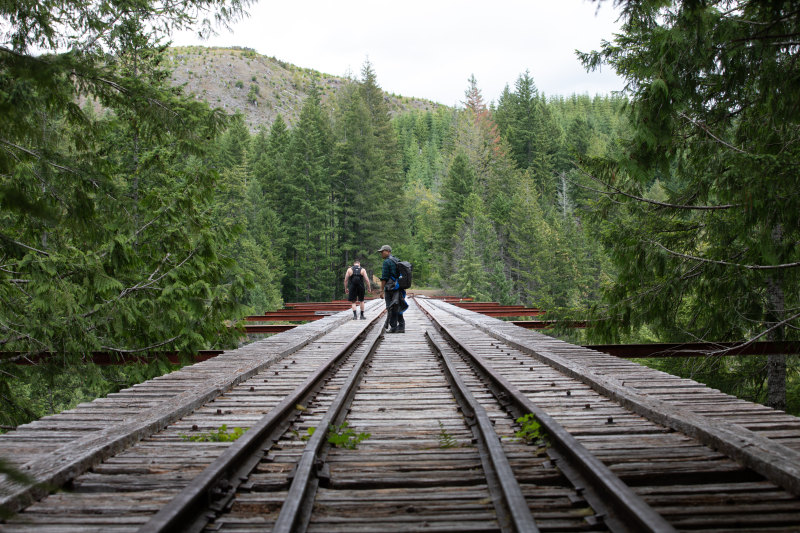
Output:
(293, 304)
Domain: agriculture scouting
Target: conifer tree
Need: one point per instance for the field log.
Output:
(102, 213)
(239, 214)
(459, 184)
(305, 195)
(357, 183)
(105, 211)
(268, 162)
(469, 276)
(714, 90)
(268, 166)
(423, 248)
(478, 270)
(368, 190)
(235, 143)
(532, 135)
(383, 162)
(530, 247)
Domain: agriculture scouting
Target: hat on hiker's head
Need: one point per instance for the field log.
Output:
(385, 247)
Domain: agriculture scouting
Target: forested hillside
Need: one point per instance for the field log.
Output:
(239, 80)
(140, 213)
(485, 207)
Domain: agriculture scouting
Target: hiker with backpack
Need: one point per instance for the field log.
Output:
(395, 278)
(354, 282)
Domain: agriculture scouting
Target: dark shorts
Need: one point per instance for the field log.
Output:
(356, 294)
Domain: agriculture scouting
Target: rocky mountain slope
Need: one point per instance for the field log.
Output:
(260, 87)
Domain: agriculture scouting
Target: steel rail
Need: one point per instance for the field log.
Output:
(513, 509)
(296, 509)
(630, 511)
(218, 482)
(775, 461)
(71, 459)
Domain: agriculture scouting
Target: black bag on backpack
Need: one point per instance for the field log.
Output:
(403, 273)
(356, 279)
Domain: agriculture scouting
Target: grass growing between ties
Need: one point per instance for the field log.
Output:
(341, 436)
(531, 430)
(446, 440)
(220, 435)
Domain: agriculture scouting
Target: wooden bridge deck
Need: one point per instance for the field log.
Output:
(701, 459)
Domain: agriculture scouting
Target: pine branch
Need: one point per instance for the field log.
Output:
(620, 192)
(37, 156)
(145, 349)
(775, 326)
(151, 280)
(724, 263)
(708, 131)
(23, 245)
(8, 330)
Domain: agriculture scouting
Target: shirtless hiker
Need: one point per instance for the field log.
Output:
(354, 282)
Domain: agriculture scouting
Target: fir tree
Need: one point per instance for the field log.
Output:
(460, 183)
(383, 162)
(532, 135)
(107, 235)
(305, 195)
(714, 101)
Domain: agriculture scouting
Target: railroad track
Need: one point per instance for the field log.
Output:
(627, 448)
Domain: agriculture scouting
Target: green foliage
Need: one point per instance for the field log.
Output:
(531, 430)
(534, 138)
(457, 187)
(253, 94)
(367, 188)
(106, 239)
(220, 435)
(32, 392)
(343, 436)
(306, 216)
(446, 440)
(701, 211)
(309, 433)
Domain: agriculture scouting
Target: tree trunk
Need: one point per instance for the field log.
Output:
(776, 381)
(776, 364)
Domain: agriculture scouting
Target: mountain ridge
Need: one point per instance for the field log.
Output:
(239, 79)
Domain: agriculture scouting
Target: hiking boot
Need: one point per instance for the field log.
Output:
(363, 317)
(400, 330)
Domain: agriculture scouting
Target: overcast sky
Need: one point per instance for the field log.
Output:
(428, 49)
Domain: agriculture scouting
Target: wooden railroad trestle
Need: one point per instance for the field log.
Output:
(629, 448)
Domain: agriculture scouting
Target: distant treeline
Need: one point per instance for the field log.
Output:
(484, 201)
